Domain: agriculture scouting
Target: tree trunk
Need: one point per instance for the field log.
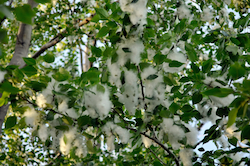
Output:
(21, 50)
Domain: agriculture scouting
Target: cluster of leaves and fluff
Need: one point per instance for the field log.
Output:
(164, 79)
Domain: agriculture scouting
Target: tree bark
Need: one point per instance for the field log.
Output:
(21, 50)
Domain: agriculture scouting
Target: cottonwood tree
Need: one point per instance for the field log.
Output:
(127, 82)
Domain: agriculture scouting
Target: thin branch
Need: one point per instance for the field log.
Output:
(81, 57)
(153, 139)
(58, 155)
(59, 37)
(142, 90)
(157, 156)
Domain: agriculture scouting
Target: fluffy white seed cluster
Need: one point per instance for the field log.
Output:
(147, 142)
(175, 56)
(43, 132)
(218, 101)
(115, 73)
(186, 156)
(71, 139)
(129, 96)
(129, 49)
(111, 129)
(183, 12)
(64, 109)
(97, 102)
(174, 132)
(2, 74)
(32, 117)
(207, 14)
(137, 11)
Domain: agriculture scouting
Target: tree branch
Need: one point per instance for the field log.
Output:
(156, 156)
(21, 50)
(59, 37)
(153, 139)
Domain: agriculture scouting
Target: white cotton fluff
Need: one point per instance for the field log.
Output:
(43, 132)
(130, 94)
(237, 157)
(175, 133)
(97, 102)
(115, 73)
(207, 14)
(129, 49)
(147, 142)
(124, 134)
(138, 10)
(2, 74)
(150, 85)
(32, 117)
(204, 112)
(231, 132)
(110, 142)
(222, 101)
(186, 156)
(191, 135)
(110, 128)
(81, 150)
(41, 100)
(175, 56)
(63, 108)
(66, 141)
(151, 54)
(183, 12)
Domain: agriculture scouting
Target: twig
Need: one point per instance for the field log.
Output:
(59, 37)
(153, 139)
(81, 57)
(157, 156)
(142, 91)
(58, 155)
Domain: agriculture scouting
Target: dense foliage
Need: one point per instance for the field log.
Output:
(159, 70)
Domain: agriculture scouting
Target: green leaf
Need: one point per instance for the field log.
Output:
(49, 58)
(219, 92)
(192, 56)
(175, 64)
(37, 86)
(29, 70)
(103, 32)
(5, 11)
(233, 141)
(62, 127)
(10, 122)
(90, 147)
(245, 133)
(196, 98)
(152, 77)
(102, 12)
(100, 88)
(174, 107)
(24, 13)
(233, 49)
(29, 61)
(7, 87)
(126, 49)
(223, 111)
(232, 117)
(43, 1)
(236, 71)
(207, 65)
(235, 41)
(3, 36)
(61, 75)
(83, 120)
(67, 120)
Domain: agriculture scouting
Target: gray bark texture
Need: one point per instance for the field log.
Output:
(21, 50)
